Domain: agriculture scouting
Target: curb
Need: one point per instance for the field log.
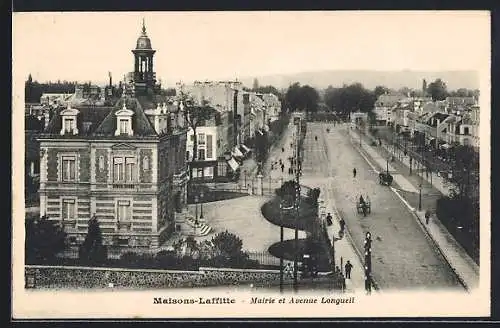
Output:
(433, 241)
(348, 236)
(429, 237)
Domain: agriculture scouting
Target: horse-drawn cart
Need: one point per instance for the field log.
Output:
(385, 178)
(364, 206)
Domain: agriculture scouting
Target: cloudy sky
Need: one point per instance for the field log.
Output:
(212, 45)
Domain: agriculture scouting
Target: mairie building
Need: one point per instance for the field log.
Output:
(124, 164)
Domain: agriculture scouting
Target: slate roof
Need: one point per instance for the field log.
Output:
(140, 124)
(92, 116)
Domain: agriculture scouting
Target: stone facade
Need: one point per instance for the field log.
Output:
(121, 164)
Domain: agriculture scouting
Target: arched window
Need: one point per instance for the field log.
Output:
(101, 162)
(145, 163)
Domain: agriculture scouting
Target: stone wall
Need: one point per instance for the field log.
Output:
(85, 277)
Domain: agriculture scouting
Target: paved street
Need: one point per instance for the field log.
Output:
(403, 257)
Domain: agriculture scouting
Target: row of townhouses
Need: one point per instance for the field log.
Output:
(129, 164)
(442, 124)
(229, 135)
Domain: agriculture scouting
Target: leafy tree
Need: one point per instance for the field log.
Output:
(288, 192)
(405, 91)
(44, 239)
(268, 89)
(350, 98)
(380, 90)
(437, 90)
(302, 98)
(261, 146)
(33, 90)
(465, 171)
(195, 116)
(463, 92)
(227, 244)
(92, 250)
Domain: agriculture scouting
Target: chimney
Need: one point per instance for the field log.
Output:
(110, 79)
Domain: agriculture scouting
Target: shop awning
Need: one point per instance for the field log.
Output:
(233, 164)
(236, 152)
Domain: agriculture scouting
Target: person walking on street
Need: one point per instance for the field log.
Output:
(329, 219)
(348, 267)
(282, 167)
(342, 225)
(354, 172)
(427, 216)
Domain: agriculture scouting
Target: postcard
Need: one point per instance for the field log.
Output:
(251, 164)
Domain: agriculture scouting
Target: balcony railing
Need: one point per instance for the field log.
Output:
(124, 226)
(123, 186)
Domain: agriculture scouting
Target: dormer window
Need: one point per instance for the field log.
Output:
(124, 122)
(68, 117)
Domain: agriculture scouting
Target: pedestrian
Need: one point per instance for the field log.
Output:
(329, 219)
(348, 267)
(282, 149)
(290, 270)
(282, 167)
(427, 216)
(354, 172)
(342, 225)
(316, 138)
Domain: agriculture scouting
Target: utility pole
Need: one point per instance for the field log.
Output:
(368, 262)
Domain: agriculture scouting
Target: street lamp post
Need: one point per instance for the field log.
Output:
(368, 262)
(245, 173)
(196, 213)
(420, 197)
(281, 240)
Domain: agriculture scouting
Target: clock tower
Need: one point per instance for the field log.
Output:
(144, 77)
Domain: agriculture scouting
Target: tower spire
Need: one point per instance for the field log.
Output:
(143, 27)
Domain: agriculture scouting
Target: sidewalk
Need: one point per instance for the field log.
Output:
(436, 181)
(275, 154)
(344, 248)
(463, 265)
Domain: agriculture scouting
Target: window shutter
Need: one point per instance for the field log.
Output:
(72, 170)
(64, 210)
